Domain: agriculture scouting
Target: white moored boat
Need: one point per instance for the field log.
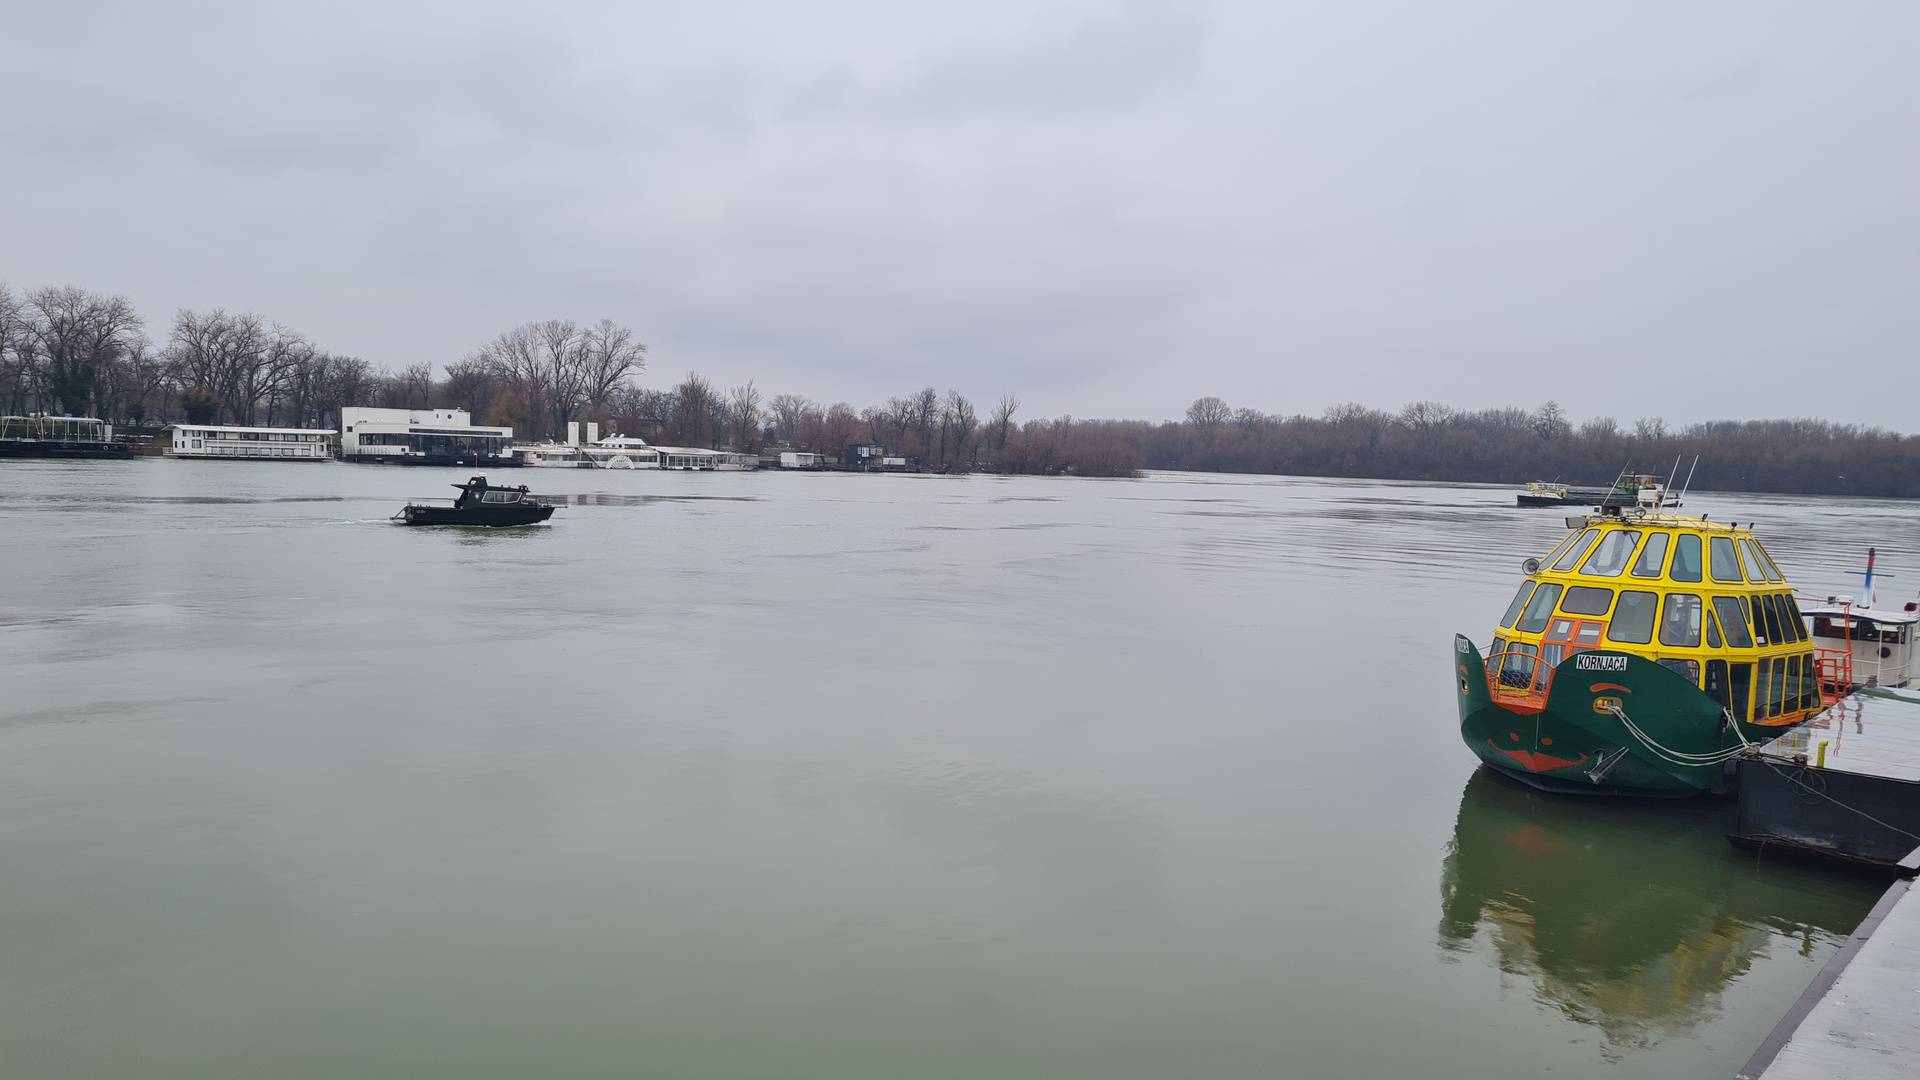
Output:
(627, 452)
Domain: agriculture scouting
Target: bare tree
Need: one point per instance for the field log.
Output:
(1550, 421)
(281, 353)
(562, 348)
(957, 422)
(743, 416)
(1003, 414)
(132, 384)
(1208, 414)
(925, 408)
(1425, 416)
(556, 369)
(634, 409)
(76, 334)
(516, 359)
(16, 353)
(694, 407)
(470, 385)
(839, 426)
(787, 409)
(607, 355)
(222, 361)
(416, 385)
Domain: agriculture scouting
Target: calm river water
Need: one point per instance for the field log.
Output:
(785, 775)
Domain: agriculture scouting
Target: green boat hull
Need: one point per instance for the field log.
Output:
(1576, 743)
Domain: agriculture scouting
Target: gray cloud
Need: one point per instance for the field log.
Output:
(1109, 208)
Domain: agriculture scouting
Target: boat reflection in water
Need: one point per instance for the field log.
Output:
(1628, 916)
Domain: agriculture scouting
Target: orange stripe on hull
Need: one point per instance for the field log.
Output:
(1535, 761)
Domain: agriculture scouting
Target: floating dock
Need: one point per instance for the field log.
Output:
(1845, 784)
(1859, 1020)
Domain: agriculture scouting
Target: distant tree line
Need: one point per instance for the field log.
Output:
(1430, 441)
(65, 349)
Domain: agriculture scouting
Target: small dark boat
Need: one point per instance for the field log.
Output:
(480, 503)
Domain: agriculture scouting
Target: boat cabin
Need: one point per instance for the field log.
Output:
(1879, 644)
(1701, 598)
(477, 492)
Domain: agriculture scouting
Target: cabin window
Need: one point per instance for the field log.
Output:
(499, 496)
(1782, 619)
(1778, 632)
(1734, 621)
(1726, 564)
(1579, 548)
(1762, 631)
(1611, 555)
(1633, 618)
(1653, 556)
(1680, 625)
(1713, 630)
(1686, 669)
(1587, 600)
(1796, 682)
(1539, 609)
(1762, 685)
(1686, 558)
(1739, 688)
(1824, 626)
(1777, 693)
(1751, 560)
(1767, 564)
(1518, 666)
(1716, 684)
(1519, 601)
(1790, 609)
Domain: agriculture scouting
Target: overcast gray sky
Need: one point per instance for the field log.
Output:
(1688, 209)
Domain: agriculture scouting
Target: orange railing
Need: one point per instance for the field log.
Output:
(1518, 680)
(1836, 674)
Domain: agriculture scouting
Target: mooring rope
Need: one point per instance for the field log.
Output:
(1677, 757)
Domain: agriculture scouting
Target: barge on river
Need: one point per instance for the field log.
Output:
(1629, 490)
(1640, 656)
(60, 437)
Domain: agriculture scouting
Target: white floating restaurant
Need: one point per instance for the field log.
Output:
(627, 452)
(228, 442)
(422, 437)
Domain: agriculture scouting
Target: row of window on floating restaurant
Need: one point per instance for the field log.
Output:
(1734, 622)
(418, 441)
(255, 436)
(1612, 553)
(259, 451)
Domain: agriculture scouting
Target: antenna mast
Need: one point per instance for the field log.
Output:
(1689, 485)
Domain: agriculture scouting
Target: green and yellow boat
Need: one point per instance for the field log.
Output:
(1639, 657)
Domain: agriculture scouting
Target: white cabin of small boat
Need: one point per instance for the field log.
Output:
(1882, 642)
